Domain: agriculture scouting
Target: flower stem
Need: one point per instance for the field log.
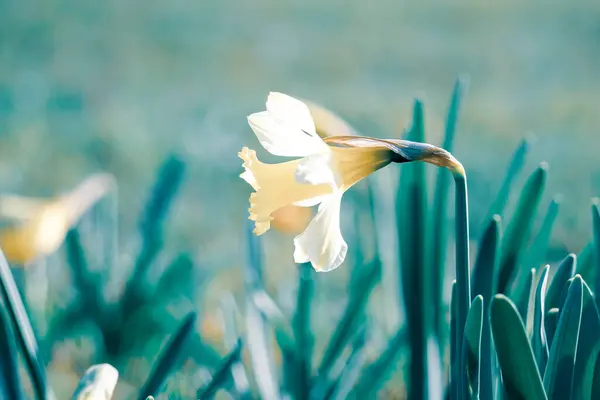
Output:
(462, 268)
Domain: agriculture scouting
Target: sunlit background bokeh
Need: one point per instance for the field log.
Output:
(117, 86)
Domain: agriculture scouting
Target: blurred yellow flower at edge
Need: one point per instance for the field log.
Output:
(43, 224)
(325, 170)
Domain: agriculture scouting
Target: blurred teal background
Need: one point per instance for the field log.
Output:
(117, 85)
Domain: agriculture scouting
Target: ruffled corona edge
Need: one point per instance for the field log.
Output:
(262, 223)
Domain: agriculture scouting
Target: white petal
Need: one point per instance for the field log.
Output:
(322, 243)
(313, 201)
(300, 256)
(286, 128)
(294, 111)
(315, 170)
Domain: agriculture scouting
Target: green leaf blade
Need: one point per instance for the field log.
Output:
(483, 278)
(353, 313)
(222, 374)
(169, 357)
(10, 382)
(588, 348)
(514, 169)
(596, 227)
(23, 329)
(565, 271)
(415, 267)
(534, 258)
(302, 330)
(519, 227)
(558, 377)
(539, 341)
(520, 374)
(522, 298)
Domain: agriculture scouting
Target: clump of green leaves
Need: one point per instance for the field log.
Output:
(514, 325)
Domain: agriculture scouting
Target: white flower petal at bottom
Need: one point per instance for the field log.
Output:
(322, 243)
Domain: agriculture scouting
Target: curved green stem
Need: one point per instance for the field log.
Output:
(463, 287)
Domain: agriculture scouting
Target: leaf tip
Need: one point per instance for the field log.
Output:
(571, 257)
(497, 219)
(477, 301)
(558, 198)
(529, 139)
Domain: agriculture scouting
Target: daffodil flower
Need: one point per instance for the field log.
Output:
(43, 223)
(325, 169)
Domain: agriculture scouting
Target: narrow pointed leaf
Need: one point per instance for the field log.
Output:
(522, 298)
(257, 333)
(538, 337)
(349, 375)
(558, 284)
(23, 331)
(412, 223)
(483, 284)
(586, 264)
(302, 330)
(85, 281)
(596, 226)
(283, 333)
(516, 165)
(551, 323)
(222, 374)
(275, 317)
(519, 227)
(169, 358)
(558, 377)
(520, 375)
(260, 352)
(536, 255)
(231, 339)
(588, 348)
(170, 177)
(483, 274)
(162, 194)
(10, 382)
(349, 322)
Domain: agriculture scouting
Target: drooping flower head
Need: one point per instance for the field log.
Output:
(320, 174)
